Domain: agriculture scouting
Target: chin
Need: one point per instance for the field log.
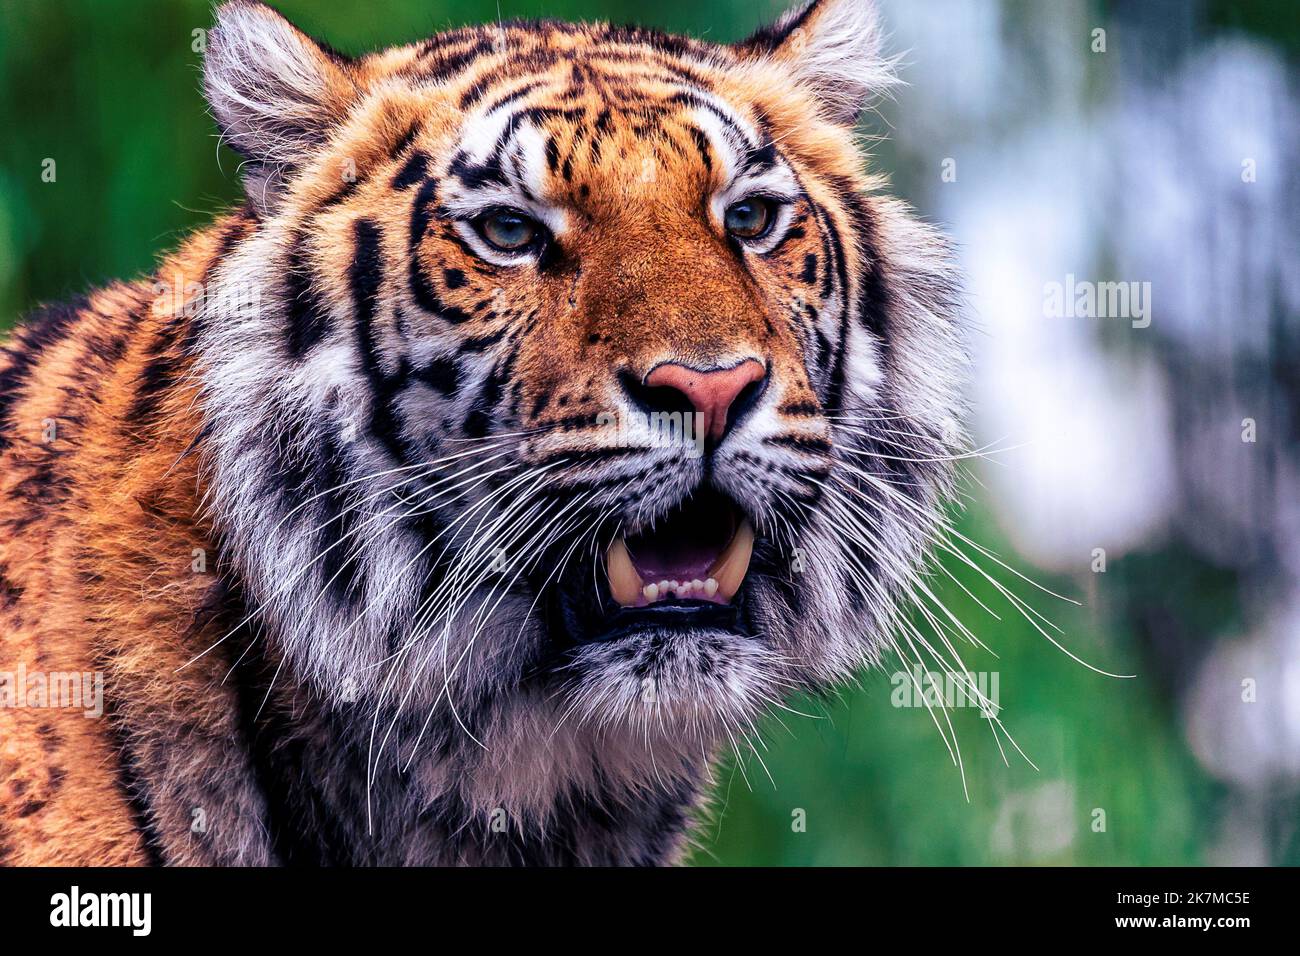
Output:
(676, 631)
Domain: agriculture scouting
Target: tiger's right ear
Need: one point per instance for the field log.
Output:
(275, 93)
(832, 48)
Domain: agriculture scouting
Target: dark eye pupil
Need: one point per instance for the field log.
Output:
(748, 218)
(509, 231)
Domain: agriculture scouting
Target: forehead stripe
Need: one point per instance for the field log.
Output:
(702, 144)
(488, 173)
(513, 95)
(729, 120)
(413, 171)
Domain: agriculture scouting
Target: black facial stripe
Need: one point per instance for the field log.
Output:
(486, 406)
(809, 274)
(308, 316)
(800, 409)
(476, 91)
(874, 297)
(487, 173)
(757, 160)
(422, 213)
(823, 349)
(702, 144)
(350, 186)
(365, 276)
(441, 374)
(599, 132)
(834, 251)
(429, 300)
(516, 156)
(405, 140)
(415, 169)
(481, 343)
(538, 114)
(421, 286)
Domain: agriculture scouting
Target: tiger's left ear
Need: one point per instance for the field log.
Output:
(833, 48)
(275, 92)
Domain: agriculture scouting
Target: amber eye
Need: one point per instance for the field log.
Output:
(509, 231)
(750, 218)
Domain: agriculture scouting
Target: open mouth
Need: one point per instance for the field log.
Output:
(698, 552)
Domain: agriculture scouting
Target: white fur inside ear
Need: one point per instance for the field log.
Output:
(834, 47)
(269, 84)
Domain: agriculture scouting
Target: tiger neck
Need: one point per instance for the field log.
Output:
(336, 795)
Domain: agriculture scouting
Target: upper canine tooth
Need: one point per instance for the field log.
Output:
(730, 569)
(624, 583)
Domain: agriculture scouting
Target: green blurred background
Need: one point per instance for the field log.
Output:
(110, 91)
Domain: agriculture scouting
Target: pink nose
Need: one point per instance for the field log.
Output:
(711, 392)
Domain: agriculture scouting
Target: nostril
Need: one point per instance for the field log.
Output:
(655, 398)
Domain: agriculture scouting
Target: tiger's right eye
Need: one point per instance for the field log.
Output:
(750, 218)
(509, 231)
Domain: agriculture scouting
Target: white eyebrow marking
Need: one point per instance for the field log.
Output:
(777, 181)
(721, 139)
(518, 149)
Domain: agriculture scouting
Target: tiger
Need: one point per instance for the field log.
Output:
(557, 401)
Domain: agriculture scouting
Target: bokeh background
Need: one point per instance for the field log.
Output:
(1168, 454)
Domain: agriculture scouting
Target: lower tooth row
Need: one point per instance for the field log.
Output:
(682, 589)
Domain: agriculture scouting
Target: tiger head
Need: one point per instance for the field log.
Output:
(591, 381)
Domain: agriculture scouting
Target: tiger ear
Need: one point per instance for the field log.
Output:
(274, 91)
(833, 48)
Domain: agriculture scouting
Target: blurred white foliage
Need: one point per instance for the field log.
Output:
(1252, 744)
(1130, 169)
(1034, 177)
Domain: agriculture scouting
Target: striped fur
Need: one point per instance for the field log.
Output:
(381, 434)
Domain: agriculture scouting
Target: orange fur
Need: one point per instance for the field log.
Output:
(97, 577)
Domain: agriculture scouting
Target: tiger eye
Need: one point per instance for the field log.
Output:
(508, 231)
(749, 218)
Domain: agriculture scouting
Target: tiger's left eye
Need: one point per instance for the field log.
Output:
(509, 231)
(750, 218)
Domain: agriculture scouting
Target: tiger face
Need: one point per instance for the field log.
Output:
(590, 381)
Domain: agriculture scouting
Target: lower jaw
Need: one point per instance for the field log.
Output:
(689, 615)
